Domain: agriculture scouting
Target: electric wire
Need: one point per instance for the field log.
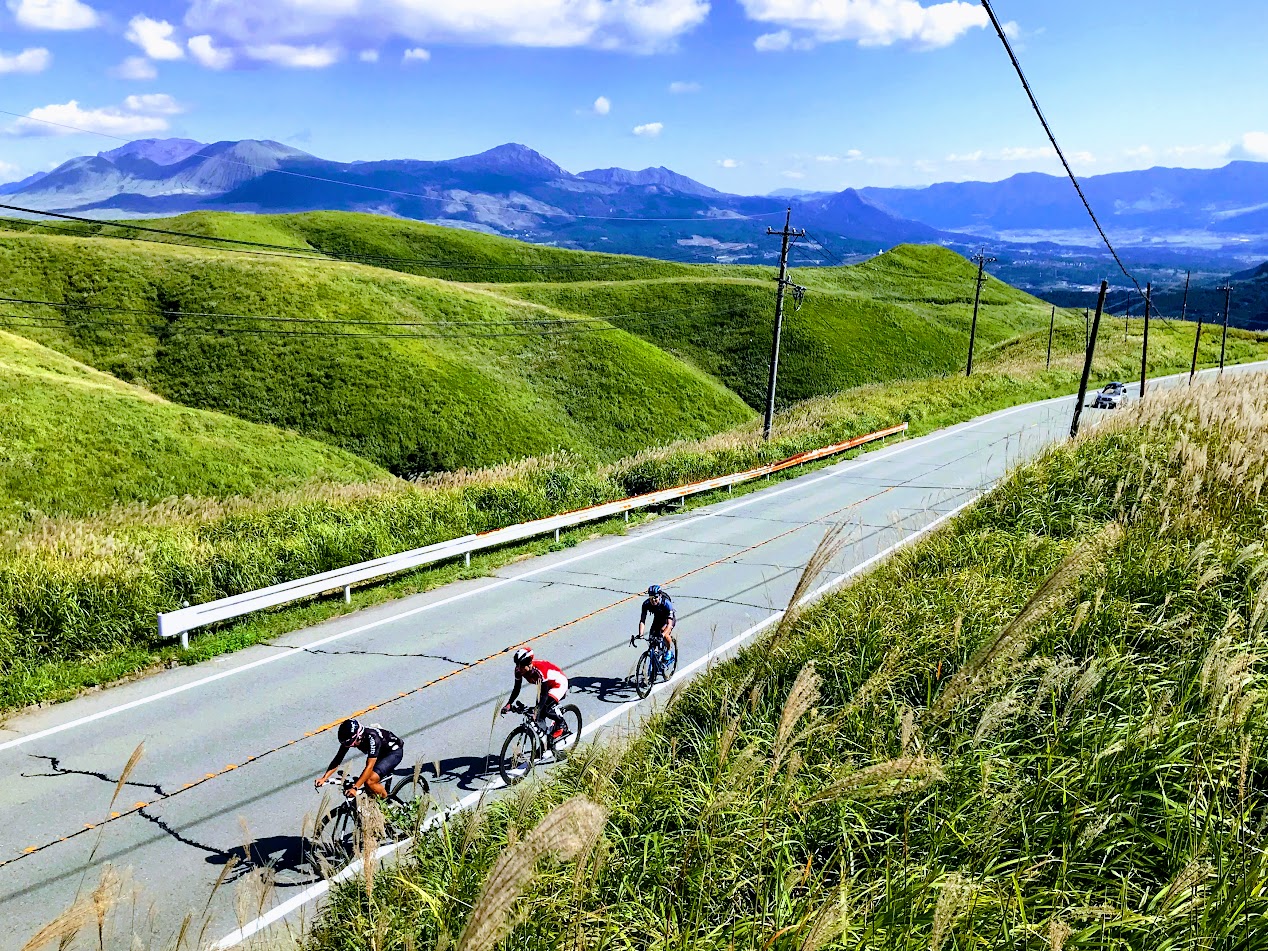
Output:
(316, 253)
(1008, 47)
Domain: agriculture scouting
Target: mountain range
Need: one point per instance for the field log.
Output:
(515, 191)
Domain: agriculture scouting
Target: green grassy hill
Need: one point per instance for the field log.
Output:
(74, 440)
(901, 315)
(410, 373)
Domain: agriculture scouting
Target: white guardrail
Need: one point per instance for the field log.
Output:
(183, 620)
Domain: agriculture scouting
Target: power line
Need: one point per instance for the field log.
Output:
(304, 253)
(373, 188)
(1008, 47)
(550, 328)
(168, 312)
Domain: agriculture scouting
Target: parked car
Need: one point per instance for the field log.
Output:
(1111, 396)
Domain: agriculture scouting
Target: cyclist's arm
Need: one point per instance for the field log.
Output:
(515, 691)
(334, 765)
(642, 621)
(370, 762)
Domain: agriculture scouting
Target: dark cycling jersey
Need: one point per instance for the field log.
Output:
(661, 613)
(376, 742)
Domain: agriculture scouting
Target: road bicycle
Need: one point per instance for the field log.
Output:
(530, 742)
(338, 834)
(652, 667)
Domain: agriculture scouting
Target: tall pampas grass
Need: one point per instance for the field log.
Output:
(565, 833)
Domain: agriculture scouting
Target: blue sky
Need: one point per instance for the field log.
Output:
(745, 95)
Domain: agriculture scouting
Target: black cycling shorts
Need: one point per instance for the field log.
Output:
(387, 763)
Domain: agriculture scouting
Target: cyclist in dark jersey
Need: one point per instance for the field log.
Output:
(664, 619)
(383, 750)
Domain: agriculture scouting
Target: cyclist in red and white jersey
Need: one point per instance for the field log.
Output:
(552, 687)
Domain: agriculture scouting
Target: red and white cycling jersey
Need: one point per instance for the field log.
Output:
(543, 671)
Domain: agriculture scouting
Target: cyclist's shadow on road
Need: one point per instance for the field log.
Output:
(604, 689)
(468, 772)
(287, 856)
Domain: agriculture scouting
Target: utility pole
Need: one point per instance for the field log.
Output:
(1228, 299)
(1052, 322)
(1087, 360)
(982, 261)
(785, 235)
(1197, 339)
(1144, 347)
(1087, 326)
(1184, 305)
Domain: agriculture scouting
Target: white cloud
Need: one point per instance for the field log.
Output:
(8, 172)
(773, 42)
(368, 56)
(135, 67)
(34, 60)
(416, 55)
(1254, 146)
(853, 155)
(728, 163)
(294, 57)
(206, 54)
(649, 130)
(153, 104)
(793, 174)
(602, 106)
(679, 88)
(827, 158)
(866, 22)
(1026, 154)
(638, 25)
(54, 14)
(966, 156)
(155, 37)
(138, 115)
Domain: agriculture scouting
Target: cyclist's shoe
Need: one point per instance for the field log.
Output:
(560, 732)
(669, 658)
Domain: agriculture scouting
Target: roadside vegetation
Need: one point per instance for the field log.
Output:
(142, 466)
(1042, 727)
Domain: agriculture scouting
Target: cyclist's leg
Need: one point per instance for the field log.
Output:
(383, 769)
(547, 709)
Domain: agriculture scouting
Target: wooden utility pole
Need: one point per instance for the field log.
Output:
(982, 261)
(1087, 326)
(1197, 337)
(1087, 360)
(786, 234)
(1144, 347)
(1228, 300)
(1052, 322)
(1184, 304)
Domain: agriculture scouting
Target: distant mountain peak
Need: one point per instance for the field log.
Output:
(510, 159)
(661, 176)
(158, 151)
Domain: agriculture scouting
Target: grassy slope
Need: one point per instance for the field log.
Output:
(407, 405)
(902, 315)
(1101, 782)
(74, 440)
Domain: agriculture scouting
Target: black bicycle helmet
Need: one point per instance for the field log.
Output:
(349, 732)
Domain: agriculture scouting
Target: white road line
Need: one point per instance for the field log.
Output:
(761, 496)
(295, 902)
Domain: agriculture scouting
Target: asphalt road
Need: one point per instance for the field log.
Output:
(728, 566)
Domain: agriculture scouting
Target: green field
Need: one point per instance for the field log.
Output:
(75, 441)
(1044, 727)
(152, 457)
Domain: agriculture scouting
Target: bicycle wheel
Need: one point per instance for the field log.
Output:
(520, 753)
(563, 746)
(335, 832)
(644, 679)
